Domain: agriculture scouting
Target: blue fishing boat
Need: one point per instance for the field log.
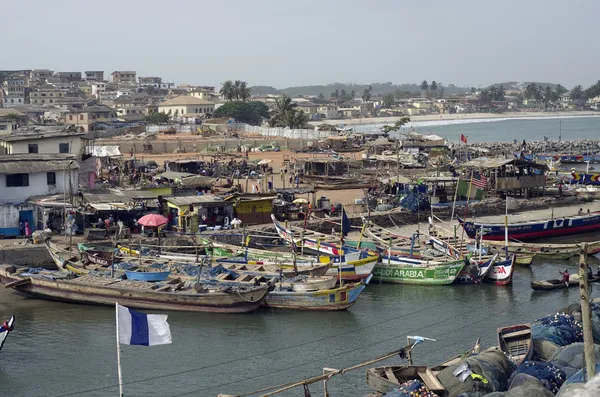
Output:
(578, 178)
(5, 329)
(524, 231)
(147, 274)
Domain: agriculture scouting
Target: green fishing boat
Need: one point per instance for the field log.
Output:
(418, 274)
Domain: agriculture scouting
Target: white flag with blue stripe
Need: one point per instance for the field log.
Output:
(136, 328)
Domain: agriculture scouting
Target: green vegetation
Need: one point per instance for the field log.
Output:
(237, 90)
(397, 125)
(157, 118)
(244, 112)
(286, 115)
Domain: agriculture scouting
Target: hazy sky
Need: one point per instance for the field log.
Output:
(303, 42)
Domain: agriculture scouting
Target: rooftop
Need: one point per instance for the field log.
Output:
(39, 132)
(185, 100)
(8, 111)
(190, 200)
(32, 163)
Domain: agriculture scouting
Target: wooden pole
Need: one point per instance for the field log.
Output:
(119, 353)
(588, 339)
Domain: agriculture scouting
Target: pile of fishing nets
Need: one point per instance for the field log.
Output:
(415, 201)
(522, 385)
(560, 329)
(571, 358)
(412, 388)
(575, 386)
(486, 372)
(551, 376)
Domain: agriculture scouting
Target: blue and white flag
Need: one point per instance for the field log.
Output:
(136, 328)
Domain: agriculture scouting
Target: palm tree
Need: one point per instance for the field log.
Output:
(227, 90)
(433, 88)
(243, 91)
(236, 89)
(577, 93)
(424, 86)
(286, 114)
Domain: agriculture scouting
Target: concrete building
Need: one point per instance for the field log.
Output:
(186, 104)
(10, 120)
(96, 75)
(85, 118)
(354, 109)
(42, 140)
(69, 77)
(123, 76)
(328, 111)
(149, 81)
(309, 108)
(15, 91)
(98, 88)
(46, 94)
(23, 176)
(41, 74)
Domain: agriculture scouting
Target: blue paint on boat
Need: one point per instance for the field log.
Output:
(147, 276)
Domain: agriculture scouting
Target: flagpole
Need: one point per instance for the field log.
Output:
(119, 351)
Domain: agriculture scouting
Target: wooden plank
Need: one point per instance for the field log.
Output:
(390, 375)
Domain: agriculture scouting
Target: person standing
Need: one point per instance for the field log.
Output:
(565, 277)
(27, 229)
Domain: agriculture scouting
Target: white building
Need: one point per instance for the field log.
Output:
(42, 140)
(28, 175)
(98, 88)
(186, 104)
(10, 120)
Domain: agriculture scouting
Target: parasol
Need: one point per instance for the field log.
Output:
(152, 220)
(300, 201)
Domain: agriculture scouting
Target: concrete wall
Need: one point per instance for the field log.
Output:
(38, 186)
(49, 145)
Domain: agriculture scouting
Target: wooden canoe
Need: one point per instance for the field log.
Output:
(340, 298)
(554, 284)
(544, 250)
(385, 379)
(524, 259)
(516, 342)
(171, 295)
(5, 331)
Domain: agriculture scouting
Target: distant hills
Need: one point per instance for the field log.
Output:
(379, 88)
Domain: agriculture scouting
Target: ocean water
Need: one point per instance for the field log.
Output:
(505, 129)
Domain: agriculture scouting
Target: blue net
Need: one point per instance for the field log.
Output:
(560, 329)
(412, 388)
(551, 376)
(579, 376)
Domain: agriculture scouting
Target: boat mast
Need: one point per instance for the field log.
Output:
(505, 226)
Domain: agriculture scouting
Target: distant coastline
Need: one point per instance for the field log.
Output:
(422, 120)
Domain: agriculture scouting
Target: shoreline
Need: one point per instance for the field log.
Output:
(458, 117)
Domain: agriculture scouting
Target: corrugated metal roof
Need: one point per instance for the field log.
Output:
(23, 164)
(190, 200)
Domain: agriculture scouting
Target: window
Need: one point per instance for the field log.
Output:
(81, 117)
(51, 178)
(70, 117)
(3, 128)
(16, 180)
(33, 148)
(63, 148)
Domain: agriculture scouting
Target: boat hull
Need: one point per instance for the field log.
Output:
(325, 300)
(501, 272)
(354, 270)
(535, 230)
(73, 292)
(422, 275)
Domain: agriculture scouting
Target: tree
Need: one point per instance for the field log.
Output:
(242, 90)
(353, 94)
(244, 112)
(442, 91)
(532, 91)
(366, 95)
(424, 85)
(388, 101)
(335, 95)
(473, 90)
(321, 96)
(397, 125)
(157, 118)
(547, 95)
(286, 114)
(577, 93)
(228, 90)
(433, 87)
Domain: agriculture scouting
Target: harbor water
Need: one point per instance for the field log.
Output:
(61, 349)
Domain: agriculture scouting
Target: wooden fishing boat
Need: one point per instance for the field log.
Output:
(475, 271)
(102, 258)
(502, 271)
(147, 274)
(524, 259)
(543, 250)
(303, 268)
(551, 285)
(386, 240)
(420, 274)
(171, 295)
(457, 359)
(516, 342)
(535, 230)
(83, 247)
(5, 329)
(59, 257)
(340, 298)
(385, 379)
(314, 284)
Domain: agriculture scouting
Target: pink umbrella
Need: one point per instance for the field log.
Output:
(152, 220)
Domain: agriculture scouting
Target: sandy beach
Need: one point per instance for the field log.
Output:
(459, 116)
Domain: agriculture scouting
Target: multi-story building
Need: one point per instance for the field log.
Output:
(69, 77)
(84, 119)
(15, 91)
(46, 94)
(149, 81)
(41, 74)
(42, 140)
(10, 120)
(186, 104)
(96, 75)
(98, 88)
(123, 76)
(328, 111)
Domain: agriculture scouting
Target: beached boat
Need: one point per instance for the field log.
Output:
(475, 271)
(534, 230)
(101, 258)
(385, 379)
(171, 295)
(6, 329)
(340, 298)
(314, 284)
(516, 342)
(501, 272)
(581, 178)
(147, 274)
(396, 245)
(420, 274)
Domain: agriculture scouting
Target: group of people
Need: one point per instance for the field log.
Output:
(566, 276)
(293, 177)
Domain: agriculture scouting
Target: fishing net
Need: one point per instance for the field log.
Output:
(492, 366)
(551, 376)
(560, 329)
(412, 388)
(575, 389)
(524, 385)
(571, 358)
(544, 350)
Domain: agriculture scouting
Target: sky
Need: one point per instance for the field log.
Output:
(284, 43)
